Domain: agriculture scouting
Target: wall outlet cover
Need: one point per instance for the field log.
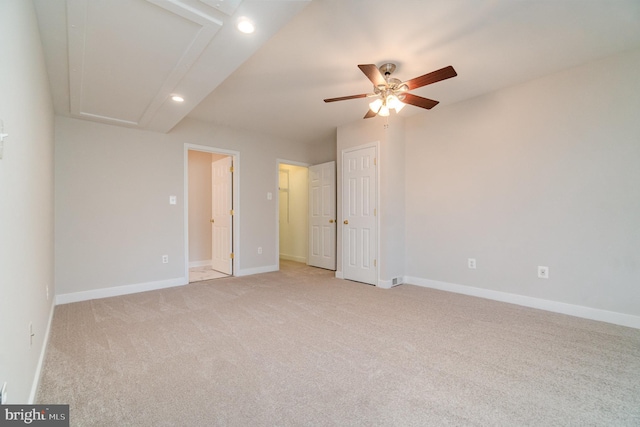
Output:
(543, 272)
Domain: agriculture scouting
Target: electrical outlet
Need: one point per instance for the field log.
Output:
(260, 250)
(31, 334)
(165, 259)
(543, 272)
(471, 263)
(47, 289)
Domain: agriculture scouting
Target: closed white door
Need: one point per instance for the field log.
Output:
(322, 216)
(359, 209)
(221, 215)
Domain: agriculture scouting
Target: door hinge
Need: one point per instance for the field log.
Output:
(375, 212)
(231, 212)
(231, 255)
(375, 161)
(231, 169)
(375, 262)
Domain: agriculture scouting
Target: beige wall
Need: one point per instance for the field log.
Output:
(199, 206)
(26, 200)
(294, 211)
(113, 218)
(544, 173)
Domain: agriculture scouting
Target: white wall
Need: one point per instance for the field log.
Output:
(113, 218)
(294, 212)
(544, 173)
(392, 202)
(26, 201)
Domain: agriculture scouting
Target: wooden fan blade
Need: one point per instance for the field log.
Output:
(369, 114)
(344, 98)
(419, 101)
(433, 77)
(372, 72)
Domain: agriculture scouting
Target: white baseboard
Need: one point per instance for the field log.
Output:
(294, 258)
(388, 284)
(119, 290)
(384, 284)
(43, 353)
(542, 304)
(203, 263)
(256, 270)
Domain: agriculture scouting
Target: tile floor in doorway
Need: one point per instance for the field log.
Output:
(197, 274)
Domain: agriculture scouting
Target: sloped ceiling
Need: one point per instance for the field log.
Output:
(121, 61)
(118, 61)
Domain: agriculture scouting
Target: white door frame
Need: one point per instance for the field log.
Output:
(277, 199)
(376, 145)
(235, 244)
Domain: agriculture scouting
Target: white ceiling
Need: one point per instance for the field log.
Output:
(128, 56)
(120, 61)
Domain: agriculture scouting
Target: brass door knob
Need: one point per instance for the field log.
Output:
(211, 220)
(330, 221)
(346, 221)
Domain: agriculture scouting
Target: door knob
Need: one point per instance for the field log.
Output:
(346, 221)
(330, 221)
(211, 220)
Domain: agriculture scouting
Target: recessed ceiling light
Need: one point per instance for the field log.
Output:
(246, 26)
(177, 98)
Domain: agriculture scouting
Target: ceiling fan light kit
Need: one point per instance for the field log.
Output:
(393, 94)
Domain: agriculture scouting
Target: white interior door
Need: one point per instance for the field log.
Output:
(359, 205)
(221, 216)
(322, 215)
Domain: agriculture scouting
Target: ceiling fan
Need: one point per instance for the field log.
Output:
(391, 93)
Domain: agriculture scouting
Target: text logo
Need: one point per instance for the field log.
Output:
(34, 415)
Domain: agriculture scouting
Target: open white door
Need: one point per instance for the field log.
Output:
(359, 205)
(322, 216)
(221, 215)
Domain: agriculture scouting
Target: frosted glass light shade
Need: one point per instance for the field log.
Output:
(395, 103)
(375, 105)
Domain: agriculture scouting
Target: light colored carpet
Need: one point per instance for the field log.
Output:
(301, 348)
